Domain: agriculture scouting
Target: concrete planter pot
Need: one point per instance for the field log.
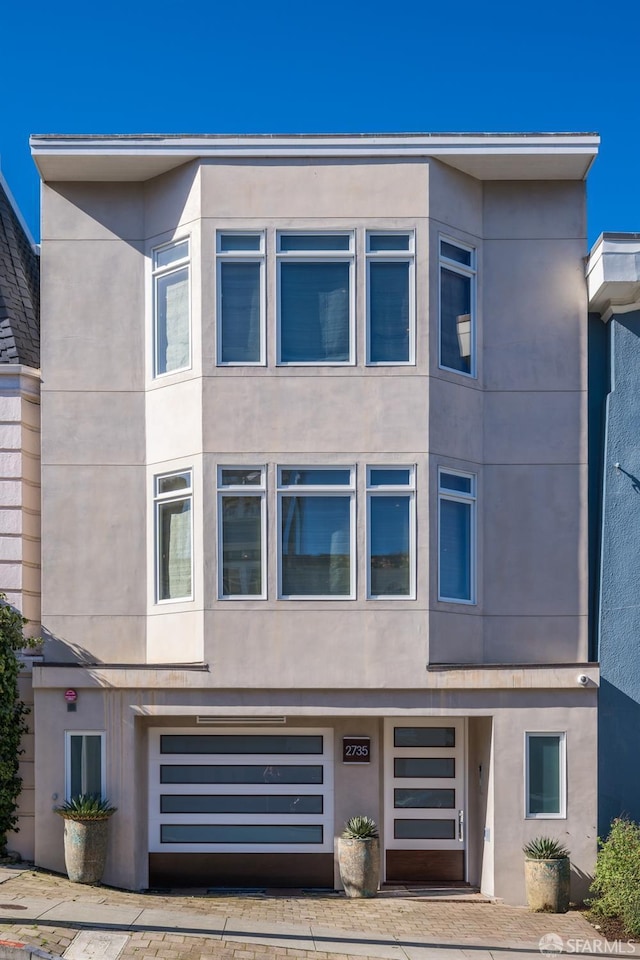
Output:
(85, 849)
(547, 884)
(359, 862)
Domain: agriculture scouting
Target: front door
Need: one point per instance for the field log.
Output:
(425, 832)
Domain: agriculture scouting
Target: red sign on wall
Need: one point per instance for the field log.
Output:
(70, 696)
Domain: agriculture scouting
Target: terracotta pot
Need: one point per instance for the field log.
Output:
(359, 862)
(85, 849)
(547, 883)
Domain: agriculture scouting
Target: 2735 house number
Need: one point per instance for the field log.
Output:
(356, 749)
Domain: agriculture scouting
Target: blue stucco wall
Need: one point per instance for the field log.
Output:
(619, 607)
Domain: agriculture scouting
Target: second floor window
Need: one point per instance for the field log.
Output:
(174, 536)
(457, 307)
(390, 287)
(171, 306)
(241, 298)
(242, 534)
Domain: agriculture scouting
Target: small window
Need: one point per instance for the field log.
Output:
(171, 307)
(84, 764)
(456, 536)
(390, 319)
(242, 533)
(457, 307)
(174, 535)
(391, 532)
(545, 775)
(241, 298)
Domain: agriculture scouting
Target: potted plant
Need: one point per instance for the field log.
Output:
(547, 875)
(359, 857)
(85, 836)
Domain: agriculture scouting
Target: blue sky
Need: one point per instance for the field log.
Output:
(335, 66)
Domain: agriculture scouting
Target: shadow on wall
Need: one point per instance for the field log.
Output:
(619, 770)
(580, 885)
(58, 650)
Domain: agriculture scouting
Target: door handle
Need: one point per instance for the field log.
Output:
(461, 825)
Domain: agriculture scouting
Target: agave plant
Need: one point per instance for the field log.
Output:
(86, 806)
(545, 848)
(360, 828)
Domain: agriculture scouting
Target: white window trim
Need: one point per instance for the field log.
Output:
(562, 736)
(241, 256)
(471, 500)
(68, 734)
(472, 273)
(392, 490)
(161, 498)
(392, 256)
(237, 490)
(320, 256)
(157, 273)
(330, 490)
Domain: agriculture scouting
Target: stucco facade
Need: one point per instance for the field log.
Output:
(492, 668)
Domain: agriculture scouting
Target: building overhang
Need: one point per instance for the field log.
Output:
(486, 156)
(613, 274)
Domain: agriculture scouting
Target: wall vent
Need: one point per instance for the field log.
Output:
(241, 721)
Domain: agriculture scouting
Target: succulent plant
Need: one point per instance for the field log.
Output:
(545, 848)
(360, 828)
(86, 806)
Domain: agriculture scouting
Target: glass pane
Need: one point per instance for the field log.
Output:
(544, 775)
(453, 252)
(240, 833)
(388, 312)
(319, 241)
(323, 478)
(169, 255)
(455, 321)
(240, 478)
(178, 481)
(424, 737)
(316, 546)
(389, 533)
(172, 311)
(241, 546)
(451, 481)
(245, 773)
(424, 799)
(240, 312)
(388, 241)
(174, 535)
(455, 550)
(424, 829)
(388, 477)
(240, 743)
(240, 803)
(233, 242)
(314, 312)
(86, 765)
(405, 767)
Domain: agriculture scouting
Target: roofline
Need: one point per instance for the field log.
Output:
(16, 209)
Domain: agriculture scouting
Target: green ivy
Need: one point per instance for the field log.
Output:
(616, 884)
(12, 717)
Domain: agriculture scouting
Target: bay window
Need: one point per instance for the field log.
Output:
(391, 532)
(173, 527)
(171, 307)
(390, 311)
(457, 307)
(242, 532)
(456, 536)
(241, 298)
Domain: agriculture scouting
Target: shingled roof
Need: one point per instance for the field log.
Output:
(19, 288)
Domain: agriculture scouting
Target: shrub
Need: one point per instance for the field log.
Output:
(360, 828)
(545, 848)
(12, 717)
(616, 884)
(85, 807)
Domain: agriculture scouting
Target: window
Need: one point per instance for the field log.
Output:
(391, 532)
(242, 532)
(456, 536)
(390, 320)
(173, 499)
(315, 298)
(84, 764)
(241, 299)
(172, 333)
(457, 307)
(545, 775)
(316, 531)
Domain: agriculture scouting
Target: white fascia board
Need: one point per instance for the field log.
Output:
(613, 275)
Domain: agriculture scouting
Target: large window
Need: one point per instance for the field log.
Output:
(173, 500)
(456, 536)
(316, 521)
(242, 532)
(241, 298)
(84, 764)
(457, 307)
(545, 775)
(171, 305)
(391, 532)
(390, 322)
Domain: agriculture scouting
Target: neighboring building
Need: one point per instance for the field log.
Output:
(314, 475)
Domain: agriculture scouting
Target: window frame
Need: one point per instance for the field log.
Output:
(393, 490)
(172, 496)
(471, 272)
(321, 256)
(158, 273)
(471, 500)
(562, 762)
(391, 256)
(241, 256)
(235, 490)
(68, 734)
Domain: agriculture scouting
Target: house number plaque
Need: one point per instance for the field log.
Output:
(356, 749)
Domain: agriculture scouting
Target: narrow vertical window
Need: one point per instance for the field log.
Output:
(456, 536)
(391, 532)
(241, 298)
(545, 775)
(84, 764)
(457, 307)
(172, 322)
(390, 312)
(241, 532)
(173, 500)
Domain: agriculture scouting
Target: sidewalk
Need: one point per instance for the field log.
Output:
(64, 919)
